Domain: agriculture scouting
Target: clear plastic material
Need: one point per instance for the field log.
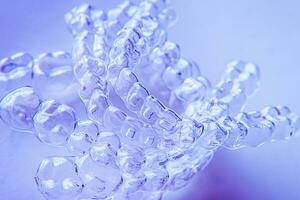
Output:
(149, 120)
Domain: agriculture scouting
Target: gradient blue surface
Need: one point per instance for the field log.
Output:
(210, 32)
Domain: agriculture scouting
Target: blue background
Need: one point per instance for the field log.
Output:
(212, 32)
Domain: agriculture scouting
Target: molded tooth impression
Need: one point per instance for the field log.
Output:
(54, 122)
(83, 137)
(15, 72)
(18, 108)
(150, 120)
(57, 178)
(53, 72)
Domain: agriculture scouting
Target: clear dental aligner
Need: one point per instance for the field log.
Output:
(151, 120)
